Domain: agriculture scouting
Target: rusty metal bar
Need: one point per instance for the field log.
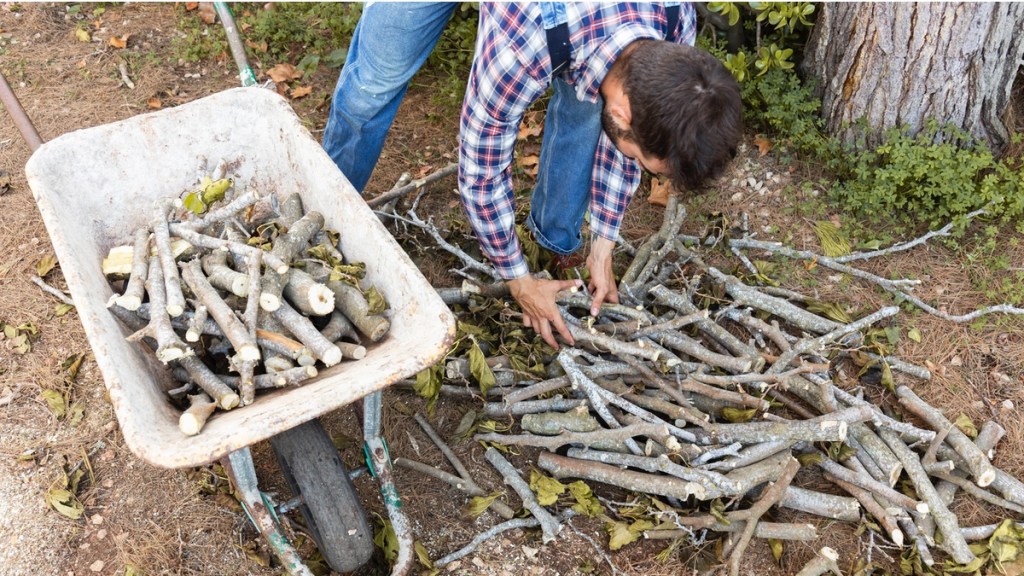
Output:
(21, 120)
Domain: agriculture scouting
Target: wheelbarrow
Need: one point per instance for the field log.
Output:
(95, 186)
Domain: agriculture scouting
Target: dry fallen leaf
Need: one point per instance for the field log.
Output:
(190, 6)
(121, 42)
(154, 103)
(301, 91)
(529, 164)
(283, 73)
(83, 35)
(530, 126)
(660, 190)
(764, 145)
(207, 13)
(424, 170)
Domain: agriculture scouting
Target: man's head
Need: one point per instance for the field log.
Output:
(675, 109)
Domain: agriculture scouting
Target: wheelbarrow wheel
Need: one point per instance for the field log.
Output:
(336, 520)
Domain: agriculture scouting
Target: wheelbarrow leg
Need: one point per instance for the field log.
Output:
(240, 469)
(379, 461)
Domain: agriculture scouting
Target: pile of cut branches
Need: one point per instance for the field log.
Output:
(240, 292)
(714, 400)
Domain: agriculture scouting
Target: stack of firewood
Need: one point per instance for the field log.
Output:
(240, 293)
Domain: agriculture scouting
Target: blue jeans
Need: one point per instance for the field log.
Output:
(390, 44)
(561, 196)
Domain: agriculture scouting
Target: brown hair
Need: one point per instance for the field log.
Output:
(685, 108)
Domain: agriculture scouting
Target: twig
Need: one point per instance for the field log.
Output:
(499, 507)
(549, 524)
(60, 295)
(448, 170)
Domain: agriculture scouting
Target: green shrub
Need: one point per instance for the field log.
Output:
(932, 178)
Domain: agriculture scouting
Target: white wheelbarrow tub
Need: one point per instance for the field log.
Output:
(95, 186)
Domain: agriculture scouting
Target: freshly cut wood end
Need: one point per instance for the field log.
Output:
(168, 353)
(922, 507)
(830, 553)
(269, 302)
(986, 478)
(229, 401)
(321, 300)
(190, 425)
(352, 351)
(131, 303)
(240, 286)
(897, 537)
(331, 356)
(192, 335)
(249, 352)
(311, 371)
(174, 310)
(379, 329)
(277, 364)
(306, 359)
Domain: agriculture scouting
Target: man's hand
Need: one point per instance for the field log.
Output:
(602, 280)
(537, 299)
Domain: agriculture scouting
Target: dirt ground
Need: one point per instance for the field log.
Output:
(139, 519)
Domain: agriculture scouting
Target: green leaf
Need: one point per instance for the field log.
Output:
(61, 309)
(738, 415)
(54, 401)
(336, 58)
(546, 488)
(966, 425)
(586, 503)
(914, 334)
(621, 533)
(193, 202)
(212, 191)
(887, 379)
(65, 503)
(479, 369)
(718, 511)
(422, 555)
(809, 458)
(428, 384)
(479, 504)
(467, 427)
(830, 310)
(45, 264)
(386, 539)
(776, 547)
(375, 300)
(71, 366)
(307, 65)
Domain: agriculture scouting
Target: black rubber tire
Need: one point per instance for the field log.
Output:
(336, 520)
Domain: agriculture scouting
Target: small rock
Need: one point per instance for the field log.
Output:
(97, 566)
(108, 483)
(956, 361)
(96, 519)
(737, 197)
(83, 546)
(101, 533)
(531, 553)
(478, 562)
(1006, 405)
(453, 566)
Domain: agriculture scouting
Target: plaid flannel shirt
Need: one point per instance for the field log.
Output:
(511, 70)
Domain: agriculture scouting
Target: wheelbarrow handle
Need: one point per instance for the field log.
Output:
(245, 73)
(21, 119)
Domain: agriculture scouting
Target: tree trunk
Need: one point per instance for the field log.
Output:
(897, 64)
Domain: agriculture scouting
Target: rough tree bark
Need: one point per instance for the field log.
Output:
(900, 64)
